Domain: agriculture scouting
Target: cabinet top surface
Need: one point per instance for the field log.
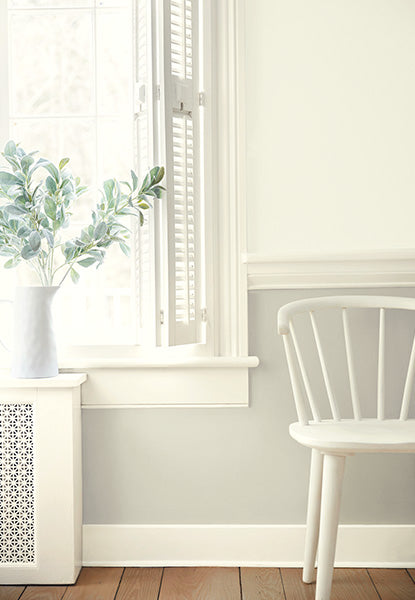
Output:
(63, 380)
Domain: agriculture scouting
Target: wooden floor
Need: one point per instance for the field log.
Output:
(215, 583)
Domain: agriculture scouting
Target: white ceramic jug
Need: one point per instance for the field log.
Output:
(34, 347)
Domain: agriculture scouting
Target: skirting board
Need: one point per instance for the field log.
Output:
(241, 545)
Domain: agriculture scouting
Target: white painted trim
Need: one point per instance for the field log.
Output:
(228, 199)
(65, 380)
(4, 74)
(166, 387)
(377, 268)
(209, 362)
(241, 545)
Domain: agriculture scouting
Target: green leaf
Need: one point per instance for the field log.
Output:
(87, 262)
(10, 148)
(146, 182)
(63, 162)
(85, 237)
(8, 179)
(50, 167)
(100, 230)
(26, 162)
(35, 241)
(49, 237)
(125, 249)
(74, 275)
(13, 209)
(135, 180)
(109, 188)
(23, 232)
(12, 262)
(27, 252)
(50, 208)
(13, 162)
(157, 174)
(50, 184)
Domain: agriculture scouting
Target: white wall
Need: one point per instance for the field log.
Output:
(330, 124)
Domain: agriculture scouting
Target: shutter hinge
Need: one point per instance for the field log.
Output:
(139, 98)
(158, 92)
(202, 99)
(204, 315)
(162, 317)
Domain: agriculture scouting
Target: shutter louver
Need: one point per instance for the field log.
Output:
(182, 126)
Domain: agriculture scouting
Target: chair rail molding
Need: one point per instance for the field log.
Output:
(343, 269)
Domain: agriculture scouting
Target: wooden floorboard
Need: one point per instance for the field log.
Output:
(43, 592)
(348, 584)
(95, 583)
(261, 584)
(140, 584)
(11, 592)
(393, 584)
(219, 583)
(200, 583)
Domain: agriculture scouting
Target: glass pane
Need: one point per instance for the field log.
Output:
(22, 4)
(70, 100)
(57, 138)
(114, 61)
(115, 153)
(51, 74)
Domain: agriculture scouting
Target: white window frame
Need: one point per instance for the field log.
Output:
(223, 362)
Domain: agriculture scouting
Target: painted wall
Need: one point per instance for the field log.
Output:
(330, 124)
(239, 465)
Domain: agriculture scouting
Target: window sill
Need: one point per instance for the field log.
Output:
(210, 362)
(157, 382)
(193, 382)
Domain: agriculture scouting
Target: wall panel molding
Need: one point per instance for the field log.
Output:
(377, 268)
(241, 545)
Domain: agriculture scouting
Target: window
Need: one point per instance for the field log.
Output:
(114, 84)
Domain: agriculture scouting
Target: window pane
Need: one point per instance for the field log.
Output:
(114, 61)
(73, 98)
(52, 71)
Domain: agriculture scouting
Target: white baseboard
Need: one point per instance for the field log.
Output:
(241, 545)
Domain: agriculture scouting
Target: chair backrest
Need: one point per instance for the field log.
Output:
(305, 399)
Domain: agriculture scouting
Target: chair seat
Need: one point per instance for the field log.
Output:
(367, 435)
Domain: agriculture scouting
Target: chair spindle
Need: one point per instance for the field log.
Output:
(381, 366)
(295, 382)
(409, 383)
(332, 401)
(350, 366)
(313, 405)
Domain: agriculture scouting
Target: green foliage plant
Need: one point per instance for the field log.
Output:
(36, 202)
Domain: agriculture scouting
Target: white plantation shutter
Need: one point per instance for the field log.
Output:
(144, 242)
(182, 139)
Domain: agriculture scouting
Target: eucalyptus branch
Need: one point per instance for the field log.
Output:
(32, 218)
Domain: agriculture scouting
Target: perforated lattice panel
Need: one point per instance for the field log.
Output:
(17, 527)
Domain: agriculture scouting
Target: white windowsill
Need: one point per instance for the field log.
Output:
(201, 382)
(210, 362)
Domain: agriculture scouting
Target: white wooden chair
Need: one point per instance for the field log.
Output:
(335, 438)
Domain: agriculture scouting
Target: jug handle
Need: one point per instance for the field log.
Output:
(1, 341)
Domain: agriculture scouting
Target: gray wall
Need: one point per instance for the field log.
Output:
(239, 465)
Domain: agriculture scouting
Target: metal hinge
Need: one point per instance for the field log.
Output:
(202, 99)
(158, 92)
(204, 315)
(162, 317)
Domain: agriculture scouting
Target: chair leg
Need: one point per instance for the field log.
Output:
(313, 515)
(333, 471)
